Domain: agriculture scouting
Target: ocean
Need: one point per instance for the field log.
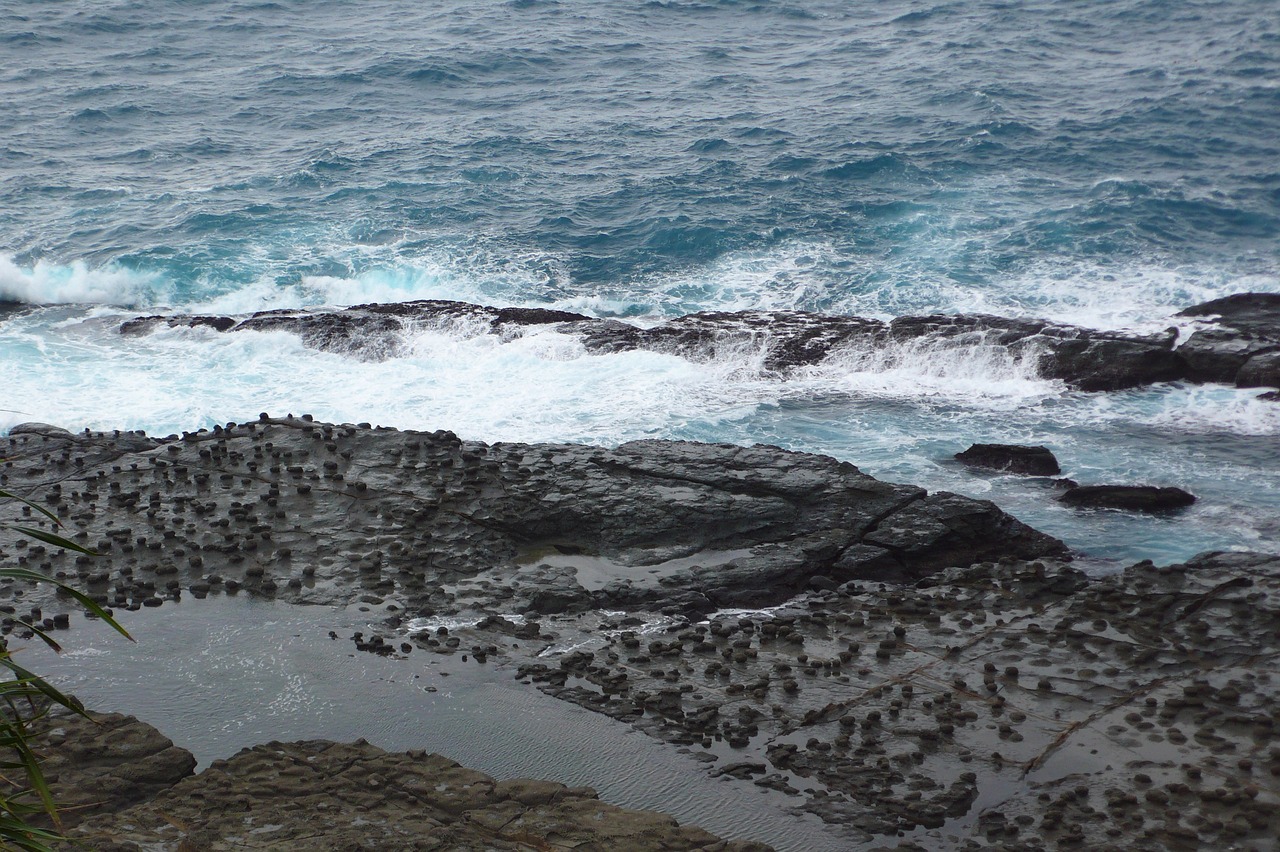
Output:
(1098, 163)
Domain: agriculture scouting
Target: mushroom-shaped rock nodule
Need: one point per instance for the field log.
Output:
(1014, 458)
(1138, 498)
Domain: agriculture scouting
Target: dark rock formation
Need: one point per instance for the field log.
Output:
(315, 512)
(1246, 326)
(1256, 313)
(1241, 348)
(367, 331)
(1013, 458)
(1138, 498)
(1261, 370)
(1083, 358)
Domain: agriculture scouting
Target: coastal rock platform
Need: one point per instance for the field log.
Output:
(320, 513)
(917, 670)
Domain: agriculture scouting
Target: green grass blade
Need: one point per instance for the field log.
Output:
(41, 509)
(55, 540)
(87, 602)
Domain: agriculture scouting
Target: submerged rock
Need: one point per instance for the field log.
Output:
(1014, 458)
(1139, 498)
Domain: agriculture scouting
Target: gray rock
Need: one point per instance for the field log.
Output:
(321, 513)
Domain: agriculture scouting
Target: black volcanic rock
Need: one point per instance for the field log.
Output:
(1240, 347)
(1138, 498)
(1257, 313)
(1085, 359)
(286, 508)
(1014, 458)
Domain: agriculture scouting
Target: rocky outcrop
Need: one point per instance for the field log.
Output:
(1138, 498)
(1087, 359)
(1012, 458)
(323, 513)
(103, 764)
(1243, 345)
(333, 797)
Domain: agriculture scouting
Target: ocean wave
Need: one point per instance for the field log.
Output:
(46, 283)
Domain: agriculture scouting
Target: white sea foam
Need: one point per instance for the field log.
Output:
(76, 283)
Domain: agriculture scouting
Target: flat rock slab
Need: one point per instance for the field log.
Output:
(102, 764)
(322, 513)
(1009, 706)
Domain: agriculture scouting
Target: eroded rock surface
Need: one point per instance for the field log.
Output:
(1241, 329)
(1012, 706)
(320, 513)
(333, 797)
(103, 764)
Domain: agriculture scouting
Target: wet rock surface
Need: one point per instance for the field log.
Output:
(103, 764)
(318, 513)
(1242, 344)
(911, 668)
(1137, 498)
(1013, 705)
(1238, 330)
(1014, 458)
(123, 793)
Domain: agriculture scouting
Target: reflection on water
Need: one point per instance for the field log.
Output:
(229, 672)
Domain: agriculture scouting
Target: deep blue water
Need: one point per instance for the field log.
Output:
(1104, 163)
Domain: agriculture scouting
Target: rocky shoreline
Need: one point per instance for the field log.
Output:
(125, 788)
(919, 670)
(1237, 341)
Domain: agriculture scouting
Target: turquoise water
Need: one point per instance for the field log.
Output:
(1103, 163)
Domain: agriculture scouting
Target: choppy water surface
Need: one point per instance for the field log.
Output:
(1104, 163)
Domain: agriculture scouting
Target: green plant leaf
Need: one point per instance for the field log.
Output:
(54, 539)
(84, 600)
(41, 509)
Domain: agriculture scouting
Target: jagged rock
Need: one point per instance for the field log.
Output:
(1138, 498)
(1014, 458)
(1084, 358)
